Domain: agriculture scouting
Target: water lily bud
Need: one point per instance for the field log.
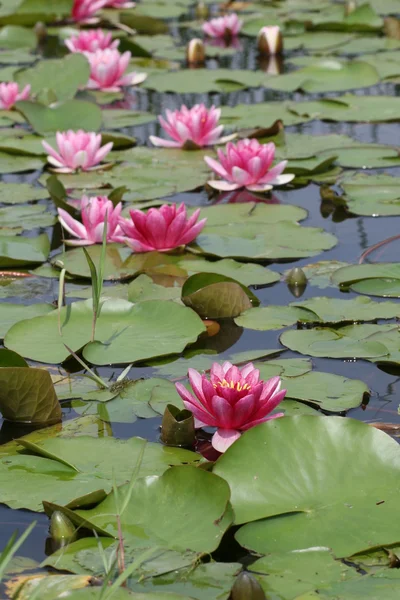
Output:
(270, 40)
(40, 31)
(296, 281)
(177, 428)
(246, 587)
(202, 10)
(195, 52)
(350, 7)
(62, 530)
(271, 65)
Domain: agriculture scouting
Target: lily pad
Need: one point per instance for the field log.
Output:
(372, 195)
(326, 75)
(381, 279)
(215, 296)
(261, 115)
(71, 114)
(206, 80)
(20, 251)
(27, 395)
(350, 517)
(350, 108)
(79, 465)
(19, 193)
(266, 318)
(63, 76)
(353, 341)
(125, 332)
(195, 493)
(22, 218)
(13, 313)
(334, 310)
(120, 263)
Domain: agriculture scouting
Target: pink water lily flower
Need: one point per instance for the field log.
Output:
(10, 94)
(90, 41)
(191, 127)
(77, 150)
(248, 164)
(83, 11)
(107, 68)
(120, 4)
(94, 212)
(233, 400)
(226, 26)
(161, 229)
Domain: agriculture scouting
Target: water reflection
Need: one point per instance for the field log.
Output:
(242, 196)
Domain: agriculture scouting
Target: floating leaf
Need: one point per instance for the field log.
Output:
(372, 195)
(80, 465)
(267, 318)
(71, 114)
(350, 517)
(12, 313)
(125, 333)
(27, 395)
(334, 310)
(215, 296)
(64, 76)
(205, 80)
(19, 251)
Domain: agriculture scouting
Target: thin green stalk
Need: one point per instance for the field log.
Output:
(98, 379)
(97, 277)
(12, 547)
(61, 297)
(110, 591)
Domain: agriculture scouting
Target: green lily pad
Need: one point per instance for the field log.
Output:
(20, 251)
(27, 395)
(293, 573)
(12, 163)
(353, 341)
(71, 114)
(19, 193)
(284, 239)
(125, 332)
(350, 108)
(79, 465)
(120, 263)
(206, 80)
(189, 172)
(12, 313)
(63, 76)
(215, 296)
(381, 279)
(13, 36)
(326, 75)
(26, 217)
(266, 318)
(195, 493)
(347, 518)
(261, 115)
(371, 195)
(319, 274)
(117, 118)
(335, 310)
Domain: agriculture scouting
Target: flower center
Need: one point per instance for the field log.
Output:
(232, 385)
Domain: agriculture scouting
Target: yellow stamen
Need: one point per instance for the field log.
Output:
(232, 385)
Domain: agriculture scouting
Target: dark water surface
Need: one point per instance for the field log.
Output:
(354, 234)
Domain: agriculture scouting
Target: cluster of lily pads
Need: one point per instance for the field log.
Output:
(256, 466)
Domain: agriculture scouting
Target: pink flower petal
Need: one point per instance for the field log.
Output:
(224, 438)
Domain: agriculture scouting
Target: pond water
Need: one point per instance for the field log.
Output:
(355, 233)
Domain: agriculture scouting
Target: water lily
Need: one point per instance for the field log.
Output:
(10, 94)
(94, 212)
(233, 400)
(120, 4)
(226, 26)
(90, 41)
(191, 127)
(107, 68)
(83, 11)
(161, 229)
(77, 150)
(247, 164)
(269, 40)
